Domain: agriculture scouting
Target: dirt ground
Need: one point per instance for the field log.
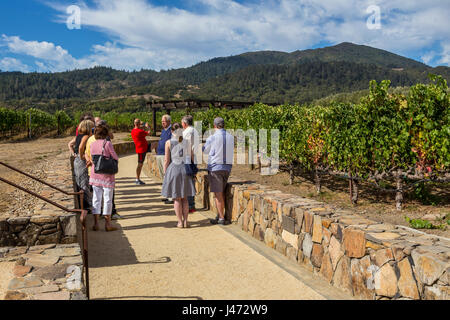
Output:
(33, 156)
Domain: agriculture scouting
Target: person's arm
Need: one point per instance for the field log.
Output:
(83, 147)
(167, 156)
(88, 154)
(208, 145)
(148, 128)
(71, 145)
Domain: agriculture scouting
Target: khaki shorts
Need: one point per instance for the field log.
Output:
(160, 163)
(218, 180)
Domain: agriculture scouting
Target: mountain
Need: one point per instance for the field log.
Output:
(349, 52)
(269, 76)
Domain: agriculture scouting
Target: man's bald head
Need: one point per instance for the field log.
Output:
(137, 123)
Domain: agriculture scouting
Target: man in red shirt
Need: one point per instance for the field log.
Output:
(141, 144)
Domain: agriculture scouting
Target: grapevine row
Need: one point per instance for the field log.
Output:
(384, 136)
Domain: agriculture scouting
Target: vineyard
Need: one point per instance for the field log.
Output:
(385, 139)
(392, 140)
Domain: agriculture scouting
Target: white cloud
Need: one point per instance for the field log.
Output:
(49, 56)
(12, 64)
(445, 54)
(148, 36)
(428, 57)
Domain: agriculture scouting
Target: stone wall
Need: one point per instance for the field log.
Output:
(38, 230)
(369, 260)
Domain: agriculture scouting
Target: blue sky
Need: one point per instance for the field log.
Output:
(157, 34)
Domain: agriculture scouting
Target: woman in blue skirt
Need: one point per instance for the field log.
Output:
(177, 184)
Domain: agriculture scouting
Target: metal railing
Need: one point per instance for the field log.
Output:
(81, 211)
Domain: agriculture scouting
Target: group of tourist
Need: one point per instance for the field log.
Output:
(175, 150)
(92, 138)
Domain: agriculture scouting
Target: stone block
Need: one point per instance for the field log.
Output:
(288, 210)
(15, 295)
(308, 219)
(245, 221)
(382, 256)
(21, 271)
(48, 232)
(335, 250)
(342, 275)
(437, 292)
(307, 245)
(359, 275)
(326, 269)
(41, 220)
(52, 272)
(290, 238)
(78, 260)
(428, 267)
(30, 234)
(326, 222)
(281, 246)
(373, 245)
(317, 230)
(336, 230)
(251, 226)
(21, 283)
(42, 289)
(298, 217)
(288, 224)
(69, 225)
(354, 243)
(61, 295)
(68, 240)
(386, 281)
(270, 238)
(380, 227)
(326, 236)
(40, 261)
(49, 239)
(317, 255)
(20, 221)
(4, 225)
(381, 238)
(406, 283)
(291, 253)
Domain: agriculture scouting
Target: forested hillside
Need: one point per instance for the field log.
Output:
(267, 76)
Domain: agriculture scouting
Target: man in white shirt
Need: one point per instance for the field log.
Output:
(220, 150)
(188, 135)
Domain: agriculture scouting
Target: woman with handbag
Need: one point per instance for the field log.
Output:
(177, 184)
(78, 148)
(104, 167)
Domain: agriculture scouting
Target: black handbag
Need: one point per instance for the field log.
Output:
(105, 165)
(191, 169)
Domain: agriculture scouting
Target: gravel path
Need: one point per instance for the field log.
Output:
(149, 258)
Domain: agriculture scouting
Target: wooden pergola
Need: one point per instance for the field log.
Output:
(190, 105)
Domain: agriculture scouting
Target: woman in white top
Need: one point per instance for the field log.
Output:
(177, 184)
